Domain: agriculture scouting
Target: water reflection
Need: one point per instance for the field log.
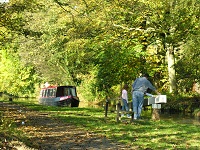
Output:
(83, 104)
(181, 118)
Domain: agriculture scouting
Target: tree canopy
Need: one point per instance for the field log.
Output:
(98, 45)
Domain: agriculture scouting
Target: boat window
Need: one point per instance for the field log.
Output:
(54, 92)
(51, 92)
(60, 92)
(42, 93)
(45, 93)
(48, 92)
(72, 91)
(66, 93)
(69, 91)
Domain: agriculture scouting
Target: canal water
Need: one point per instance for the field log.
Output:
(181, 118)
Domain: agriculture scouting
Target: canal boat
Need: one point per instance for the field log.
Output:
(59, 96)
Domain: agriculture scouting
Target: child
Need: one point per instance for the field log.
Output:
(125, 100)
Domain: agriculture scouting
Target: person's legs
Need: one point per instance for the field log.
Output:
(135, 104)
(140, 103)
(123, 107)
(126, 107)
(138, 99)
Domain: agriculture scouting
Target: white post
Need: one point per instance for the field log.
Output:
(4, 1)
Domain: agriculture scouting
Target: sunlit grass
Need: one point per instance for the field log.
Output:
(143, 134)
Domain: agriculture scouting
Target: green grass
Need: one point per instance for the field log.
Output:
(142, 134)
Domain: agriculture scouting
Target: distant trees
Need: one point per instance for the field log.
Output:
(15, 77)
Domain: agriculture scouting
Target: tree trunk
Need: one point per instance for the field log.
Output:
(171, 69)
(155, 114)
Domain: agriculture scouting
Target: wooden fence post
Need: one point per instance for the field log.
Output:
(106, 112)
(10, 99)
(156, 111)
(117, 109)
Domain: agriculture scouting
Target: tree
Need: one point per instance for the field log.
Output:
(15, 78)
(174, 22)
(100, 45)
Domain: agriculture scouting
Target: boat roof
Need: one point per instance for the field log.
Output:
(54, 86)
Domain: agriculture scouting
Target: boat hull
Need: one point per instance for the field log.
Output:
(56, 102)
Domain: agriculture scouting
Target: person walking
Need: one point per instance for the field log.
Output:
(139, 88)
(125, 100)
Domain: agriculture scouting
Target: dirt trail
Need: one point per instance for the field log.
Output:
(47, 133)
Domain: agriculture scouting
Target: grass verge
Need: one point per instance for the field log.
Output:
(144, 134)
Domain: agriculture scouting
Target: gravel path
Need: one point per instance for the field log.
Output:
(47, 133)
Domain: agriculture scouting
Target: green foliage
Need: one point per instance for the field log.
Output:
(15, 78)
(185, 103)
(190, 74)
(196, 112)
(97, 45)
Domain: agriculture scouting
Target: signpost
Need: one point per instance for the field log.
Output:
(156, 102)
(4, 1)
